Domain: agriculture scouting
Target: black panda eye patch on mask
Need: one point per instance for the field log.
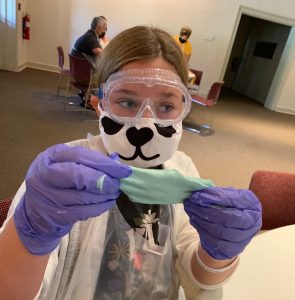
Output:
(165, 131)
(110, 127)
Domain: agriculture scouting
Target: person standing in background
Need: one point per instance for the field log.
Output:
(184, 44)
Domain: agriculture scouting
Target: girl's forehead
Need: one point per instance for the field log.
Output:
(143, 90)
(158, 62)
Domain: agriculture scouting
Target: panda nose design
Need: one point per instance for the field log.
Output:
(139, 137)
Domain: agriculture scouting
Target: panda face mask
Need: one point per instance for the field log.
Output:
(143, 145)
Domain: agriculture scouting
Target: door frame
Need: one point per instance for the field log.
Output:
(287, 57)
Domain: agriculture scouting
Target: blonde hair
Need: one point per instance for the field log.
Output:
(140, 43)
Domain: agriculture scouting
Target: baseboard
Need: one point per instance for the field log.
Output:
(285, 110)
(21, 67)
(44, 67)
(34, 65)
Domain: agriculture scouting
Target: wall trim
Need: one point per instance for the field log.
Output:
(21, 67)
(35, 65)
(285, 110)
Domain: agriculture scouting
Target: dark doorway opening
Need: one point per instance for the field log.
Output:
(255, 55)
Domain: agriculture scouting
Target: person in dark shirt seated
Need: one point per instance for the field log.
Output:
(89, 43)
(89, 46)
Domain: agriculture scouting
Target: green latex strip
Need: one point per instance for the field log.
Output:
(150, 186)
(99, 182)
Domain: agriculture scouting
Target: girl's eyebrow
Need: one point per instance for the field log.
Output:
(168, 94)
(125, 91)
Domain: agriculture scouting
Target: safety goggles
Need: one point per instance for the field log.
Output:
(145, 94)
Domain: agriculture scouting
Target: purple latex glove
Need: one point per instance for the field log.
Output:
(64, 185)
(225, 218)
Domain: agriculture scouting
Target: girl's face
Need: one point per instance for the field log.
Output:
(145, 139)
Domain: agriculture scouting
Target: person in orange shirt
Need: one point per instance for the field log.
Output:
(184, 44)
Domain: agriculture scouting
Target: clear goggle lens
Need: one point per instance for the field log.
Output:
(146, 94)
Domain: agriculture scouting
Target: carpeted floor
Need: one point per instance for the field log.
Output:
(247, 137)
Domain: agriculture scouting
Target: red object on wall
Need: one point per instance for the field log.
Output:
(26, 27)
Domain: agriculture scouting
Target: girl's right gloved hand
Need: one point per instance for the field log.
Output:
(64, 185)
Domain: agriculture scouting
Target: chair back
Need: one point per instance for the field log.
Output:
(4, 207)
(276, 192)
(61, 57)
(198, 74)
(80, 69)
(215, 91)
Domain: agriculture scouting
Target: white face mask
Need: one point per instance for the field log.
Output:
(141, 145)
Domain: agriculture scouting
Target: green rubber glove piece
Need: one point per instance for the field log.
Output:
(150, 186)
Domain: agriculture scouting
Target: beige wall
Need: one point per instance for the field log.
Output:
(60, 22)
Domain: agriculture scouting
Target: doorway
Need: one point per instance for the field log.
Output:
(255, 55)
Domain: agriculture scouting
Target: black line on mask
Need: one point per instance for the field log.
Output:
(140, 154)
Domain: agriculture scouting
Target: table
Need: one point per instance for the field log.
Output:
(266, 270)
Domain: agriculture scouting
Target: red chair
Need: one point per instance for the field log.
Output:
(4, 207)
(81, 78)
(205, 127)
(199, 75)
(194, 83)
(63, 72)
(212, 96)
(276, 192)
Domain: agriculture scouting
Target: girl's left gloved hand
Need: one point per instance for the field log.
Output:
(225, 218)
